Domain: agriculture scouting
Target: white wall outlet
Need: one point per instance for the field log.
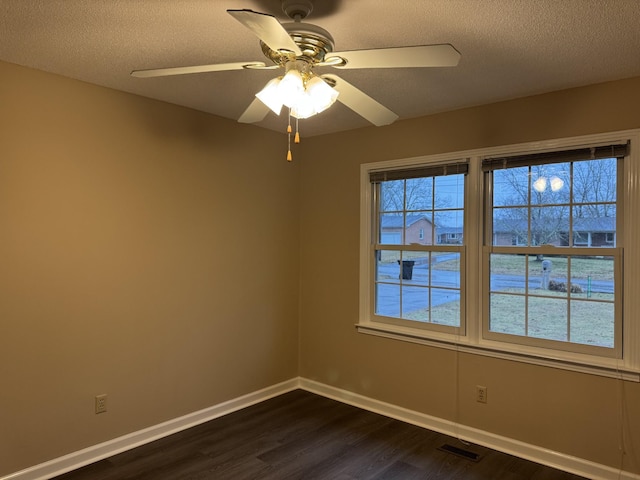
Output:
(101, 403)
(481, 394)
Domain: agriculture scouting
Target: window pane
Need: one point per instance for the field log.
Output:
(510, 226)
(445, 307)
(391, 196)
(419, 194)
(388, 283)
(552, 272)
(387, 300)
(415, 268)
(595, 181)
(594, 225)
(549, 225)
(550, 184)
(511, 187)
(548, 318)
(387, 266)
(391, 229)
(449, 227)
(507, 314)
(449, 192)
(445, 270)
(593, 277)
(592, 323)
(415, 303)
(418, 228)
(508, 273)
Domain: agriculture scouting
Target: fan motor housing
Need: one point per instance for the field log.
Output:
(297, 8)
(314, 41)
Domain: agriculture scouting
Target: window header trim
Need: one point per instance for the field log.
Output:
(562, 156)
(452, 168)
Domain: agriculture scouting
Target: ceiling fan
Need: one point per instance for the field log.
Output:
(299, 48)
(303, 47)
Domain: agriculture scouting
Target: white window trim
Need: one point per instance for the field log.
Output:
(627, 368)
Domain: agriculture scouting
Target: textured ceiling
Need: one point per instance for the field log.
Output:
(510, 49)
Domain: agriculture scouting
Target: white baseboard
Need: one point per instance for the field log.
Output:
(561, 461)
(98, 452)
(510, 446)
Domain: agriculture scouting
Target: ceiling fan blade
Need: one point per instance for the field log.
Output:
(218, 67)
(361, 103)
(267, 28)
(397, 57)
(255, 112)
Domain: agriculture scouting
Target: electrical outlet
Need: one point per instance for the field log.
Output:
(101, 403)
(481, 394)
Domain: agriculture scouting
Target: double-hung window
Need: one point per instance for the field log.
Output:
(560, 288)
(416, 213)
(522, 252)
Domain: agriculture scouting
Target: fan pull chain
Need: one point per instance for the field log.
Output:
(297, 137)
(289, 158)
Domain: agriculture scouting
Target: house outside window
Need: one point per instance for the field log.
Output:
(527, 264)
(516, 239)
(449, 235)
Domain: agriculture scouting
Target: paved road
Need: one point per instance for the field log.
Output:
(445, 285)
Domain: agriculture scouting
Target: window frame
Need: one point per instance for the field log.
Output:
(575, 250)
(471, 338)
(405, 247)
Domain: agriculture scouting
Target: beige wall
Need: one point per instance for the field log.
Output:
(568, 412)
(147, 251)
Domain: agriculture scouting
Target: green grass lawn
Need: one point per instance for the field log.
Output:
(596, 268)
(591, 320)
(554, 317)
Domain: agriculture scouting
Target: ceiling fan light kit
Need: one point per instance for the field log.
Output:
(303, 92)
(299, 48)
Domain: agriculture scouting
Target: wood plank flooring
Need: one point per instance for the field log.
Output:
(300, 435)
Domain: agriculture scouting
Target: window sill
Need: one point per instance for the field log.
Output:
(605, 368)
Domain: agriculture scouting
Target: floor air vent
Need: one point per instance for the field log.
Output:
(461, 452)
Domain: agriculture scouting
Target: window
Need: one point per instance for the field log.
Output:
(407, 288)
(581, 238)
(514, 252)
(516, 239)
(559, 288)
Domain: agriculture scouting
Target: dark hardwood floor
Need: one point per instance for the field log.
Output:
(300, 435)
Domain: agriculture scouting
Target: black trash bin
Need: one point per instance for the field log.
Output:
(407, 269)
